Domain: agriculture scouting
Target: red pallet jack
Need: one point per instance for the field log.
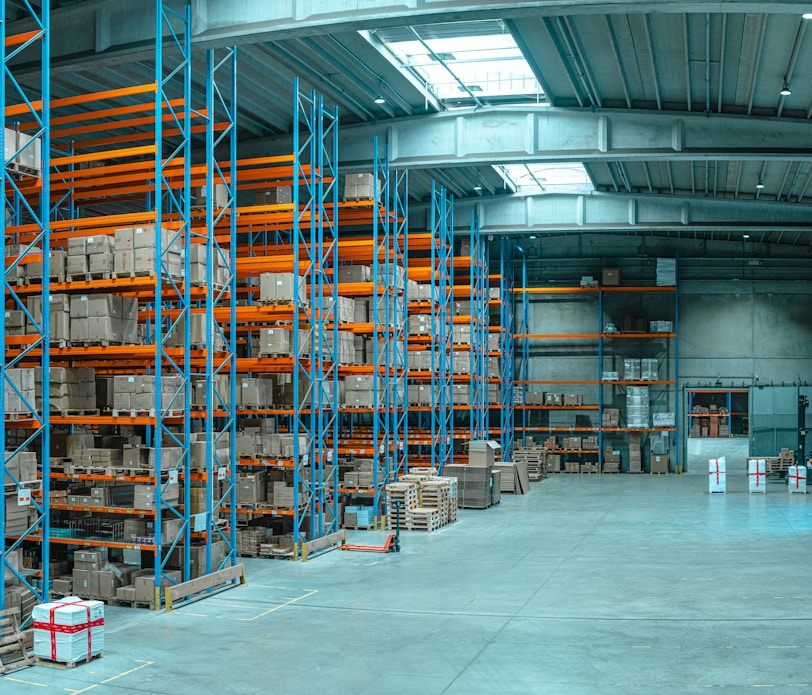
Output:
(392, 544)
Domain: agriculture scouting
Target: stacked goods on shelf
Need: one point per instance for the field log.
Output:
(637, 406)
(361, 187)
(359, 517)
(282, 288)
(137, 393)
(610, 418)
(554, 461)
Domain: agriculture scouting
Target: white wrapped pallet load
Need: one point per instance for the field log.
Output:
(796, 479)
(757, 475)
(717, 478)
(69, 631)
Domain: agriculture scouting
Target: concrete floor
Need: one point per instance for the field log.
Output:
(589, 584)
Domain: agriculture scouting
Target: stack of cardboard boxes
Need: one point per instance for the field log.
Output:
(133, 252)
(361, 187)
(137, 393)
(104, 318)
(283, 288)
(59, 316)
(635, 453)
(611, 460)
(479, 484)
(70, 389)
(20, 391)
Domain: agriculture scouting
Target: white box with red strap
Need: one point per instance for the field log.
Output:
(757, 475)
(69, 630)
(717, 477)
(796, 479)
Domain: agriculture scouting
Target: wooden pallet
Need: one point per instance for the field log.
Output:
(69, 664)
(13, 650)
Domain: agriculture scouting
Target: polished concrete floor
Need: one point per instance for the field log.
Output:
(589, 584)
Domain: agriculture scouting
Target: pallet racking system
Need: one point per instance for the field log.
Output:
(121, 161)
(299, 237)
(602, 346)
(26, 214)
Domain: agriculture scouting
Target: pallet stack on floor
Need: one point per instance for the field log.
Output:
(535, 459)
(427, 502)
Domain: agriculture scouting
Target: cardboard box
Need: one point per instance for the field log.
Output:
(610, 277)
(658, 463)
(482, 452)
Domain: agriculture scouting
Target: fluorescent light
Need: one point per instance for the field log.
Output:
(380, 99)
(532, 236)
(786, 91)
(745, 237)
(807, 15)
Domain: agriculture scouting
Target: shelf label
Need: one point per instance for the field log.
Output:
(221, 473)
(400, 446)
(23, 497)
(380, 448)
(329, 454)
(305, 459)
(173, 476)
(136, 547)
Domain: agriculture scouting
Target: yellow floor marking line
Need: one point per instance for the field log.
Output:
(144, 664)
(281, 605)
(20, 680)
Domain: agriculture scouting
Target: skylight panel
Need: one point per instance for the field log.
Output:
(490, 66)
(535, 178)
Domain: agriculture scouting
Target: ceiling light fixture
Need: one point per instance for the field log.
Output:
(786, 91)
(746, 237)
(380, 99)
(807, 15)
(532, 236)
(478, 188)
(760, 184)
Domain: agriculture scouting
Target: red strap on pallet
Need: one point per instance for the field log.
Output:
(55, 629)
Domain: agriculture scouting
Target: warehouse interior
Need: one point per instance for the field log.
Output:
(475, 331)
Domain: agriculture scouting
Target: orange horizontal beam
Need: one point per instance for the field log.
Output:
(87, 98)
(141, 151)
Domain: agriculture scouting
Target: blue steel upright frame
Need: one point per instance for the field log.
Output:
(383, 288)
(478, 297)
(506, 348)
(442, 413)
(324, 517)
(221, 293)
(35, 208)
(399, 185)
(525, 365)
(173, 73)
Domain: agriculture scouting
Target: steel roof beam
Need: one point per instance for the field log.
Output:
(111, 30)
(618, 212)
(502, 135)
